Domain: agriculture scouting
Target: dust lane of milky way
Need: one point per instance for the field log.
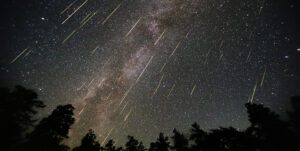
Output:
(106, 103)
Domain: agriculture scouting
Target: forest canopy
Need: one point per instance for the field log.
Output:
(18, 107)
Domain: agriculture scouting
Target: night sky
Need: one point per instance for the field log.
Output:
(141, 67)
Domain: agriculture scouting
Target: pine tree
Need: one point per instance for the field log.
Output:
(161, 144)
(134, 145)
(180, 141)
(198, 136)
(17, 111)
(89, 143)
(268, 129)
(50, 132)
(111, 147)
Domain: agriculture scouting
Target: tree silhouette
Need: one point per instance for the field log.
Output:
(294, 118)
(223, 139)
(111, 147)
(180, 141)
(50, 132)
(295, 115)
(134, 145)
(17, 110)
(267, 132)
(198, 136)
(89, 143)
(268, 129)
(161, 144)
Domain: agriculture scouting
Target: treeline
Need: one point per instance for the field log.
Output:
(21, 132)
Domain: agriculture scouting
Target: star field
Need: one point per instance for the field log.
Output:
(141, 67)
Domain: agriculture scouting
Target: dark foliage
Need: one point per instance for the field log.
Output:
(134, 145)
(266, 127)
(89, 143)
(17, 110)
(50, 132)
(180, 141)
(161, 144)
(267, 132)
(111, 147)
(198, 136)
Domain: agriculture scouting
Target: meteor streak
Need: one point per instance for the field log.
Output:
(126, 93)
(124, 107)
(144, 70)
(253, 93)
(90, 83)
(137, 80)
(68, 7)
(171, 90)
(175, 49)
(109, 95)
(157, 86)
(162, 68)
(70, 35)
(158, 39)
(263, 77)
(188, 33)
(81, 110)
(193, 90)
(107, 135)
(100, 83)
(133, 27)
(81, 86)
(261, 7)
(105, 20)
(84, 19)
(69, 16)
(94, 50)
(27, 53)
(88, 19)
(127, 115)
(18, 56)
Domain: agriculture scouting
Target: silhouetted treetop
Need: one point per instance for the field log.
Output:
(266, 132)
(89, 143)
(180, 141)
(295, 114)
(111, 147)
(198, 137)
(17, 110)
(50, 132)
(134, 145)
(161, 144)
(260, 115)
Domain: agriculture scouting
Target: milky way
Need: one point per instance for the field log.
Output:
(105, 105)
(140, 67)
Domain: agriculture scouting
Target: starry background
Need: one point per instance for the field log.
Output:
(141, 67)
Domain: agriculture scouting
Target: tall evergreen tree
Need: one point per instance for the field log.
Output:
(89, 143)
(161, 144)
(198, 136)
(180, 141)
(268, 129)
(295, 114)
(134, 145)
(17, 110)
(50, 132)
(223, 139)
(111, 147)
(294, 118)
